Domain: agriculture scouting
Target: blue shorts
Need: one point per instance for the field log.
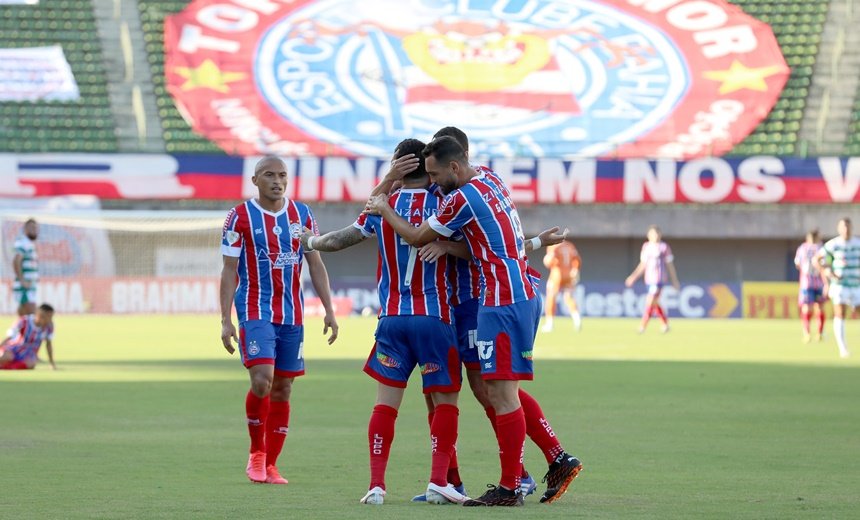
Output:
(655, 288)
(506, 337)
(402, 342)
(466, 323)
(810, 296)
(265, 343)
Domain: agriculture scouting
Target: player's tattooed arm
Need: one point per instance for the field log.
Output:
(332, 241)
(414, 236)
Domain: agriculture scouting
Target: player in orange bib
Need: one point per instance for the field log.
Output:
(563, 262)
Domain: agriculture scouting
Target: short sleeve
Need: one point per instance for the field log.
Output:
(667, 254)
(366, 224)
(50, 335)
(454, 213)
(20, 246)
(231, 237)
(797, 256)
(643, 256)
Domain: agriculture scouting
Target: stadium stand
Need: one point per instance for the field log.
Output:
(852, 147)
(798, 27)
(178, 136)
(86, 125)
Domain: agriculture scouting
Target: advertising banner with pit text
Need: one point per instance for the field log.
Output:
(753, 180)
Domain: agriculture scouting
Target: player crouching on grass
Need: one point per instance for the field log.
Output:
(263, 257)
(415, 329)
(19, 351)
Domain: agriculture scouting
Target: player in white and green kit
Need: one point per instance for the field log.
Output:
(841, 261)
(26, 267)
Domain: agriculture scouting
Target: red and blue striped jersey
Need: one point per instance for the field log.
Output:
(27, 337)
(465, 280)
(656, 255)
(406, 285)
(270, 256)
(488, 218)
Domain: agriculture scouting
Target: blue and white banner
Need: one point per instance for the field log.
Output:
(36, 74)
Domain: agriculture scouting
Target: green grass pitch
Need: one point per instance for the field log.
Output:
(717, 419)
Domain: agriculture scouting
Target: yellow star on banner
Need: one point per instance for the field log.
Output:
(739, 77)
(207, 75)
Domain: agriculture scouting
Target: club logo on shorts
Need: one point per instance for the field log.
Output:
(387, 361)
(429, 368)
(253, 348)
(625, 78)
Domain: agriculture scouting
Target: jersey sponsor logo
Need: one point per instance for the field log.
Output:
(527, 355)
(531, 78)
(253, 348)
(232, 237)
(429, 368)
(282, 260)
(387, 361)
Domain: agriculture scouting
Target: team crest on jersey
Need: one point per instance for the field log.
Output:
(624, 78)
(295, 230)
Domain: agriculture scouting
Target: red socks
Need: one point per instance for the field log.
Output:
(277, 426)
(511, 435)
(443, 437)
(256, 410)
(821, 322)
(491, 415)
(660, 313)
(453, 466)
(380, 434)
(538, 428)
(804, 320)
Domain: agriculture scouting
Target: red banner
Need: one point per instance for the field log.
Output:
(544, 78)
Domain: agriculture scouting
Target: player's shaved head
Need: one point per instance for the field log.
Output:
(414, 147)
(268, 162)
(456, 133)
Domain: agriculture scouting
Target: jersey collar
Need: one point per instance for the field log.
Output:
(267, 212)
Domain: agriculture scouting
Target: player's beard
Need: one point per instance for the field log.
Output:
(448, 185)
(32, 236)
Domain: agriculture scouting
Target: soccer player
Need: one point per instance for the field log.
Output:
(415, 329)
(655, 261)
(841, 260)
(812, 284)
(479, 204)
(263, 257)
(25, 264)
(20, 349)
(563, 262)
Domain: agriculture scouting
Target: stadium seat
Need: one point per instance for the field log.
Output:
(84, 125)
